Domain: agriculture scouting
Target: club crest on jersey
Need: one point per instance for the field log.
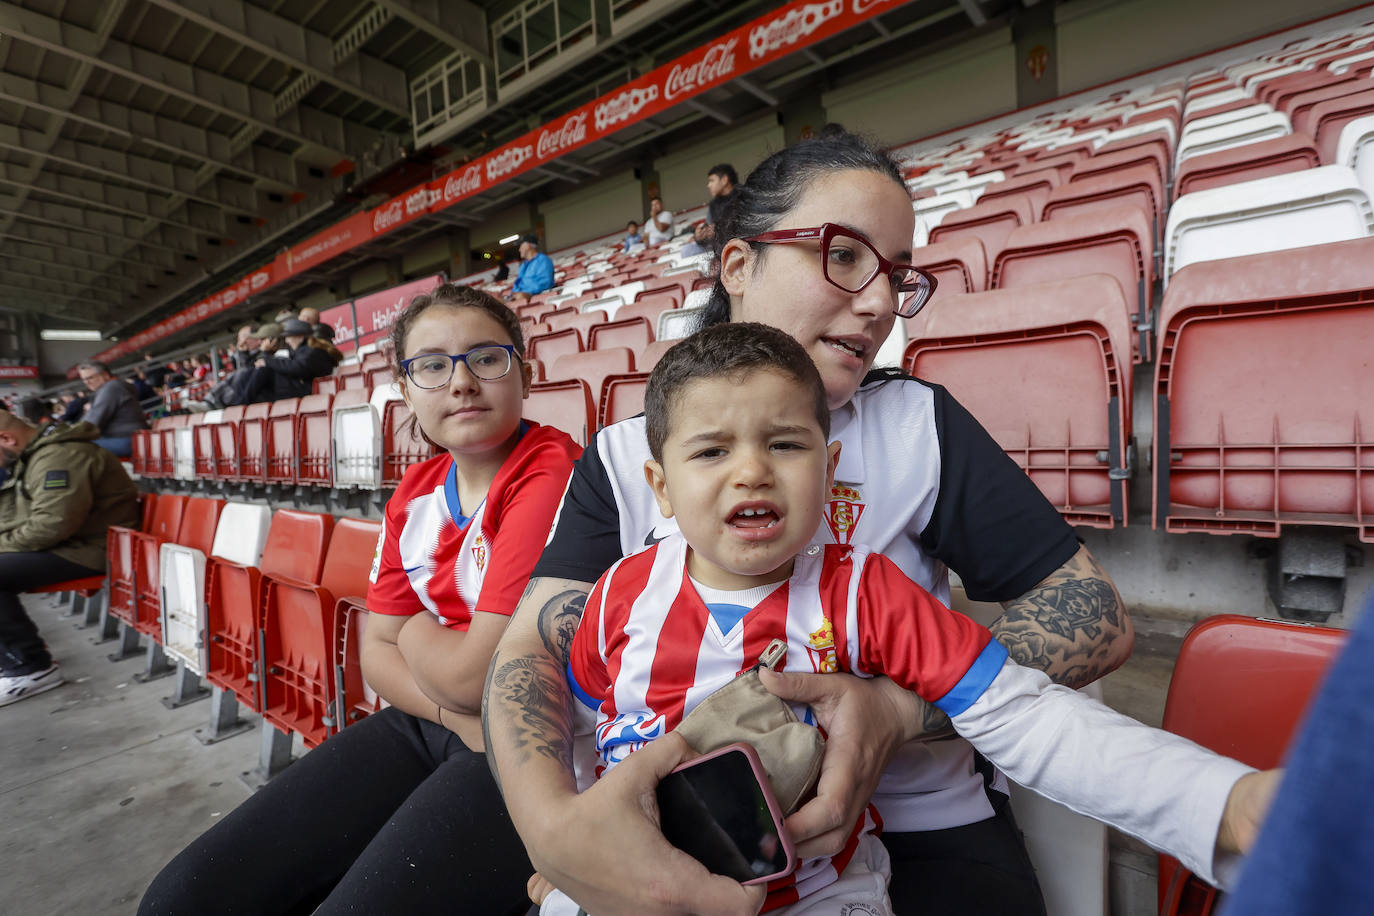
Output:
(820, 649)
(479, 553)
(842, 512)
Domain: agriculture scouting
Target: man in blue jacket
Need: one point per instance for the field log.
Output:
(536, 271)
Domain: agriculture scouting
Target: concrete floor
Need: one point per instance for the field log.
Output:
(100, 784)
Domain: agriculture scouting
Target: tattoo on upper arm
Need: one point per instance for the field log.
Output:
(542, 721)
(558, 620)
(933, 720)
(1059, 625)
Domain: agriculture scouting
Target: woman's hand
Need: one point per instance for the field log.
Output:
(865, 720)
(604, 848)
(1245, 809)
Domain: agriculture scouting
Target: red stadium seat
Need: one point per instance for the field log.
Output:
(648, 309)
(355, 697)
(1153, 155)
(1062, 160)
(138, 451)
(120, 565)
(1240, 687)
(252, 444)
(1035, 186)
(1298, 97)
(652, 354)
(314, 441)
(1329, 117)
(989, 222)
(199, 516)
(402, 444)
(1046, 369)
(567, 405)
(1264, 393)
(325, 384)
(549, 347)
(299, 693)
(593, 366)
(1137, 186)
(634, 333)
(225, 434)
(381, 375)
(135, 547)
(674, 291)
(622, 397)
(1245, 163)
(582, 322)
(352, 379)
(295, 550)
(551, 317)
(374, 360)
(1115, 241)
(959, 265)
(279, 440)
(1302, 107)
(165, 430)
(203, 441)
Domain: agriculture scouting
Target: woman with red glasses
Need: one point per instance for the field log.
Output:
(817, 243)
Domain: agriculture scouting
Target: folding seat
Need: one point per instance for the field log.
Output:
(1209, 95)
(634, 333)
(959, 265)
(162, 446)
(378, 377)
(299, 693)
(1279, 156)
(138, 451)
(1355, 150)
(279, 441)
(677, 323)
(1061, 161)
(567, 405)
(1114, 241)
(294, 549)
(120, 562)
(352, 380)
(314, 441)
(1036, 186)
(1137, 187)
(551, 317)
(204, 444)
(1280, 92)
(1046, 369)
(674, 292)
(1237, 110)
(132, 557)
(355, 697)
(325, 384)
(653, 353)
(1330, 117)
(195, 528)
(593, 366)
(1265, 393)
(184, 448)
(357, 435)
(1302, 105)
(549, 347)
(1232, 133)
(1310, 207)
(225, 433)
(622, 397)
(252, 443)
(989, 221)
(931, 211)
(1241, 687)
(1157, 133)
(648, 309)
(402, 444)
(374, 360)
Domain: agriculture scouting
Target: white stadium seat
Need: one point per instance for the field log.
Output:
(1355, 149)
(1234, 133)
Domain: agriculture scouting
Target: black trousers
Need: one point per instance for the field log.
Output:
(976, 868)
(21, 648)
(392, 815)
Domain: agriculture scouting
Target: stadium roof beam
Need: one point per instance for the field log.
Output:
(820, 63)
(308, 127)
(974, 13)
(22, 256)
(48, 306)
(707, 110)
(443, 20)
(92, 195)
(339, 64)
(761, 94)
(71, 240)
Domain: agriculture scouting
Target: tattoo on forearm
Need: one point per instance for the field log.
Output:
(1059, 626)
(558, 620)
(486, 725)
(540, 717)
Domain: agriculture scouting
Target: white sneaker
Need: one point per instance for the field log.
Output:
(22, 686)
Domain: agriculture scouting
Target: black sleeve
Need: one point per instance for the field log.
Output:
(585, 541)
(991, 524)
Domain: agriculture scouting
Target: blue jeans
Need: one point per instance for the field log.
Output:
(120, 445)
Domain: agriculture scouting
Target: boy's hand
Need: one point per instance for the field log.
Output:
(865, 720)
(538, 888)
(612, 857)
(1246, 807)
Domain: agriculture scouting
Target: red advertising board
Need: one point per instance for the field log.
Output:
(376, 313)
(11, 373)
(787, 29)
(340, 318)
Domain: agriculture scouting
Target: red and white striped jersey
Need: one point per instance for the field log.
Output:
(432, 557)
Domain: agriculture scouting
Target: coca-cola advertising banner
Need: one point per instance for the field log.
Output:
(783, 31)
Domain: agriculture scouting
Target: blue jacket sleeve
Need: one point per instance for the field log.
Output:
(535, 276)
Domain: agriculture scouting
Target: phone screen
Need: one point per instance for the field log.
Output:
(716, 812)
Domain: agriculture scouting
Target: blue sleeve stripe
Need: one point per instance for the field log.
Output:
(583, 697)
(975, 680)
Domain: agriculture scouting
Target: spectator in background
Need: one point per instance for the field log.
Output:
(659, 228)
(633, 239)
(114, 409)
(142, 387)
(246, 348)
(72, 404)
(276, 377)
(157, 375)
(176, 376)
(502, 272)
(62, 497)
(310, 316)
(720, 183)
(199, 367)
(536, 271)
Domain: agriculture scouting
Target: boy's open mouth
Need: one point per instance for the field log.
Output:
(755, 517)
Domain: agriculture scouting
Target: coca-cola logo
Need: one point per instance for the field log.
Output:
(508, 161)
(259, 280)
(417, 201)
(624, 106)
(716, 63)
(456, 186)
(384, 218)
(863, 6)
(572, 132)
(792, 27)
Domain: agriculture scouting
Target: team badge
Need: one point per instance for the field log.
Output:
(820, 648)
(843, 511)
(479, 553)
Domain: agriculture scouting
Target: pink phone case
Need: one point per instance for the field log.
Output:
(773, 810)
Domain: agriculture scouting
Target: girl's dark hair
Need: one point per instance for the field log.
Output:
(776, 186)
(453, 296)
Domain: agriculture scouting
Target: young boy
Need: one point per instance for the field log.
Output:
(632, 237)
(737, 424)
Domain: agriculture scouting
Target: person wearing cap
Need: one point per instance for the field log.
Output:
(536, 271)
(276, 377)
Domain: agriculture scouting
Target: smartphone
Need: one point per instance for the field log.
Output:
(720, 809)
